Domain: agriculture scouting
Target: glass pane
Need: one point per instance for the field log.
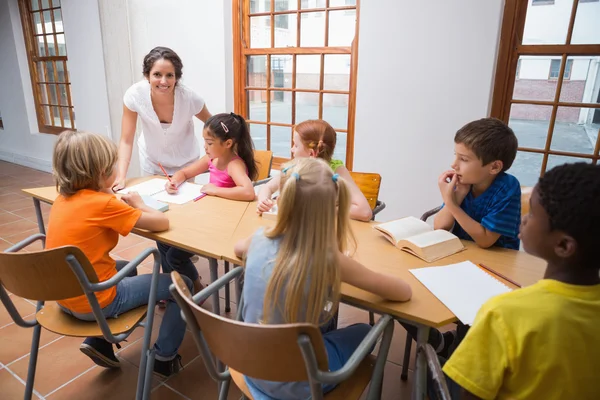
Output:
(260, 32)
(530, 123)
(527, 167)
(554, 160)
(257, 105)
(51, 45)
(307, 106)
(60, 68)
(43, 94)
(55, 3)
(253, 6)
(304, 4)
(337, 72)
(62, 47)
(281, 71)
(547, 22)
(45, 4)
(37, 22)
(58, 25)
(57, 121)
(532, 81)
(586, 29)
(574, 130)
(39, 67)
(62, 92)
(335, 110)
(67, 116)
(308, 71)
(48, 22)
(53, 95)
(340, 147)
(50, 71)
(284, 5)
(35, 5)
(281, 107)
(46, 115)
(281, 141)
(256, 71)
(259, 136)
(41, 46)
(342, 25)
(341, 3)
(286, 30)
(581, 82)
(312, 30)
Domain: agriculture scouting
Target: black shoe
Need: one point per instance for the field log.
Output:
(447, 342)
(168, 368)
(100, 351)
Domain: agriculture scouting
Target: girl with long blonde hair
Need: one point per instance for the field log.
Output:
(294, 270)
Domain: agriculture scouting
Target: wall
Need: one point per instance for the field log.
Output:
(423, 72)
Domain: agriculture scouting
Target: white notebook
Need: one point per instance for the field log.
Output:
(462, 287)
(156, 188)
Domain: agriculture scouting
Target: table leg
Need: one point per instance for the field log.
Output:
(214, 275)
(420, 387)
(40, 218)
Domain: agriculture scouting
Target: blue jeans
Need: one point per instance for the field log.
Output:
(134, 291)
(174, 259)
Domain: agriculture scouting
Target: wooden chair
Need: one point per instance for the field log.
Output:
(63, 273)
(369, 184)
(287, 353)
(264, 161)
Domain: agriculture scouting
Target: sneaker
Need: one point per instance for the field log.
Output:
(168, 368)
(447, 341)
(100, 351)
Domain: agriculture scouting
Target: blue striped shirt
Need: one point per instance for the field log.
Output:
(498, 209)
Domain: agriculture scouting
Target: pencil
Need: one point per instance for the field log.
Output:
(165, 172)
(199, 197)
(500, 275)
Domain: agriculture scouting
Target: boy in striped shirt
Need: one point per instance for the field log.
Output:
(482, 202)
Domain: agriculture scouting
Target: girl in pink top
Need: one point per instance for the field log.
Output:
(229, 159)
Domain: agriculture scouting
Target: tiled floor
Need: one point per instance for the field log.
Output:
(63, 372)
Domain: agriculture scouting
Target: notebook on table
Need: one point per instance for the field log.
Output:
(156, 189)
(462, 287)
(157, 205)
(418, 238)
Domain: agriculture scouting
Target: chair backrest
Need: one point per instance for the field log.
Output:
(264, 159)
(369, 184)
(44, 275)
(269, 352)
(525, 195)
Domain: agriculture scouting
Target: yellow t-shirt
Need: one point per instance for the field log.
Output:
(540, 342)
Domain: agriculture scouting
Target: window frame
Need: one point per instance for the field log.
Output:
(242, 49)
(33, 59)
(510, 49)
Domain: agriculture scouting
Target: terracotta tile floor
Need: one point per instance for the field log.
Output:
(63, 372)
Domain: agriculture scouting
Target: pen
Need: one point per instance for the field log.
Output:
(165, 172)
(199, 197)
(500, 275)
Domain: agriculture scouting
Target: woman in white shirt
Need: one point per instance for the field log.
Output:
(166, 108)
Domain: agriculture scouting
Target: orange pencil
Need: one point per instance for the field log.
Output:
(500, 275)
(165, 172)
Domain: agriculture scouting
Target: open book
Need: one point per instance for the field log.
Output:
(156, 188)
(417, 237)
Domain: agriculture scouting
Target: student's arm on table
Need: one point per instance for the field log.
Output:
(192, 170)
(151, 219)
(266, 192)
(241, 247)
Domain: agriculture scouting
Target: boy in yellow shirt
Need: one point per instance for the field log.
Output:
(541, 342)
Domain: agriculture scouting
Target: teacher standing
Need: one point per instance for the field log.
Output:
(166, 109)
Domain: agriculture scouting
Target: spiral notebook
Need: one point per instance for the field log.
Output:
(462, 287)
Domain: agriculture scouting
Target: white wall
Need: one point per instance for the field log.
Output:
(21, 141)
(423, 72)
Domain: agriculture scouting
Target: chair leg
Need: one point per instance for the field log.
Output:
(227, 295)
(35, 345)
(214, 275)
(371, 318)
(407, 346)
(146, 364)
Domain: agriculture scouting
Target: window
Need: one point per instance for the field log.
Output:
(541, 2)
(293, 64)
(47, 57)
(547, 86)
(555, 68)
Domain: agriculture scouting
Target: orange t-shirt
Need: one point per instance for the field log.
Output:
(92, 221)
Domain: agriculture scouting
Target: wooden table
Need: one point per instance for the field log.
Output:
(211, 226)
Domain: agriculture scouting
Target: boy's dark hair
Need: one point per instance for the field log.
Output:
(570, 194)
(490, 139)
(233, 126)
